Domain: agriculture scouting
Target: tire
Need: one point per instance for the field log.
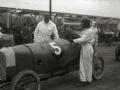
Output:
(111, 41)
(22, 81)
(98, 66)
(117, 53)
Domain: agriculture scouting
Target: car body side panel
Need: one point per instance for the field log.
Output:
(23, 58)
(71, 55)
(51, 64)
(74, 54)
(68, 57)
(11, 72)
(39, 57)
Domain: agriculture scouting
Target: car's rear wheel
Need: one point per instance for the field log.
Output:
(117, 53)
(25, 80)
(98, 67)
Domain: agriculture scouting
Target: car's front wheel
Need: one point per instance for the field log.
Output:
(25, 80)
(98, 67)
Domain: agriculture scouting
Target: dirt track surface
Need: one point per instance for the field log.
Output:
(109, 81)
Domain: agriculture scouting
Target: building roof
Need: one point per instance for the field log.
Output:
(102, 8)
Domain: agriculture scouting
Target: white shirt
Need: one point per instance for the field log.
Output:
(86, 37)
(95, 33)
(44, 31)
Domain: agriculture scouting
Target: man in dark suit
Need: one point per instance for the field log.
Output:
(25, 34)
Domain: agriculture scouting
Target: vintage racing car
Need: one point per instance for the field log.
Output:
(23, 66)
(111, 37)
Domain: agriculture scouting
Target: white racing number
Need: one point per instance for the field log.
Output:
(58, 51)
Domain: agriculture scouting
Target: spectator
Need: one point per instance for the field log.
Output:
(60, 28)
(31, 33)
(95, 33)
(25, 34)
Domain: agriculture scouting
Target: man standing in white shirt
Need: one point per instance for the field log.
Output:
(45, 30)
(95, 33)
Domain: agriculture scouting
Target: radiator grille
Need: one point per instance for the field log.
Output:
(2, 65)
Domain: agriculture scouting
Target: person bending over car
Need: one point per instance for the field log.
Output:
(45, 30)
(86, 55)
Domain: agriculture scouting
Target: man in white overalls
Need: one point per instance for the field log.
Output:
(45, 30)
(86, 54)
(95, 33)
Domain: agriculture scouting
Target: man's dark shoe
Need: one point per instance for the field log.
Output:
(81, 84)
(88, 83)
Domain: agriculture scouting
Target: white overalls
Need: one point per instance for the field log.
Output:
(44, 31)
(86, 55)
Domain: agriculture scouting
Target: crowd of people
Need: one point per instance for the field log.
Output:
(22, 33)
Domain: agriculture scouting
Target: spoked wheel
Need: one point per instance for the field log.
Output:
(25, 80)
(111, 41)
(5, 86)
(117, 53)
(98, 67)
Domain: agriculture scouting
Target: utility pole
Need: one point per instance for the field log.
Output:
(50, 8)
